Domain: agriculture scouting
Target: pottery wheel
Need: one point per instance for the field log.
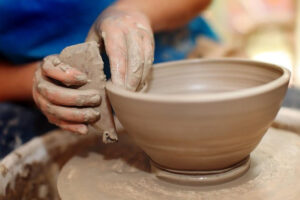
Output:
(122, 171)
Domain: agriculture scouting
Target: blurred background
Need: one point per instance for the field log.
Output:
(264, 30)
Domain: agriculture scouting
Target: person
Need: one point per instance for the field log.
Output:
(32, 30)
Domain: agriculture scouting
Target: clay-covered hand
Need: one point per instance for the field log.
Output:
(129, 44)
(67, 107)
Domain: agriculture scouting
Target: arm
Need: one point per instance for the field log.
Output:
(16, 81)
(166, 14)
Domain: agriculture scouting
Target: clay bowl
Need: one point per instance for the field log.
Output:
(202, 115)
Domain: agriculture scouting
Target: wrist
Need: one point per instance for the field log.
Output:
(126, 6)
(133, 8)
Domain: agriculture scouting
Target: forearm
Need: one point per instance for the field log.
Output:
(16, 81)
(166, 14)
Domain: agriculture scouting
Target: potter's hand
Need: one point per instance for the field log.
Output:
(68, 108)
(129, 44)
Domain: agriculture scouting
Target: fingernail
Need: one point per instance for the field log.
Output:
(95, 99)
(82, 130)
(141, 26)
(97, 113)
(56, 61)
(103, 35)
(130, 88)
(39, 86)
(64, 68)
(81, 77)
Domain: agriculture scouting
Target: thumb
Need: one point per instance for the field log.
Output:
(93, 35)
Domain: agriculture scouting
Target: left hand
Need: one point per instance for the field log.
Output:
(129, 44)
(69, 108)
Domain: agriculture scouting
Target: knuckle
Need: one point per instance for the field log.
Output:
(50, 109)
(53, 120)
(56, 61)
(90, 115)
(46, 67)
(40, 87)
(51, 61)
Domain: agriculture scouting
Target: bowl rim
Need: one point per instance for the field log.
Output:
(220, 96)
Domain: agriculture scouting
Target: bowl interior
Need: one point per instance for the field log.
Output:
(209, 76)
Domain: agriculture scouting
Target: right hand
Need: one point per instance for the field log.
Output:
(129, 44)
(70, 109)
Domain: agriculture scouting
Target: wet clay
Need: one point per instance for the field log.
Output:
(86, 57)
(201, 115)
(122, 171)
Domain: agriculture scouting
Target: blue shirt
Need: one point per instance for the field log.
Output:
(33, 29)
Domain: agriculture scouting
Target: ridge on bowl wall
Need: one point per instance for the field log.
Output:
(201, 115)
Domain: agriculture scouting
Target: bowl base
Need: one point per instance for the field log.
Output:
(184, 177)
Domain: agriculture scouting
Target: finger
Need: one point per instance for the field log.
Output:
(135, 60)
(34, 93)
(52, 67)
(115, 46)
(73, 127)
(93, 35)
(76, 115)
(148, 43)
(66, 96)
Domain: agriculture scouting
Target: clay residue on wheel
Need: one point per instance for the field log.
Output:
(30, 171)
(121, 171)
